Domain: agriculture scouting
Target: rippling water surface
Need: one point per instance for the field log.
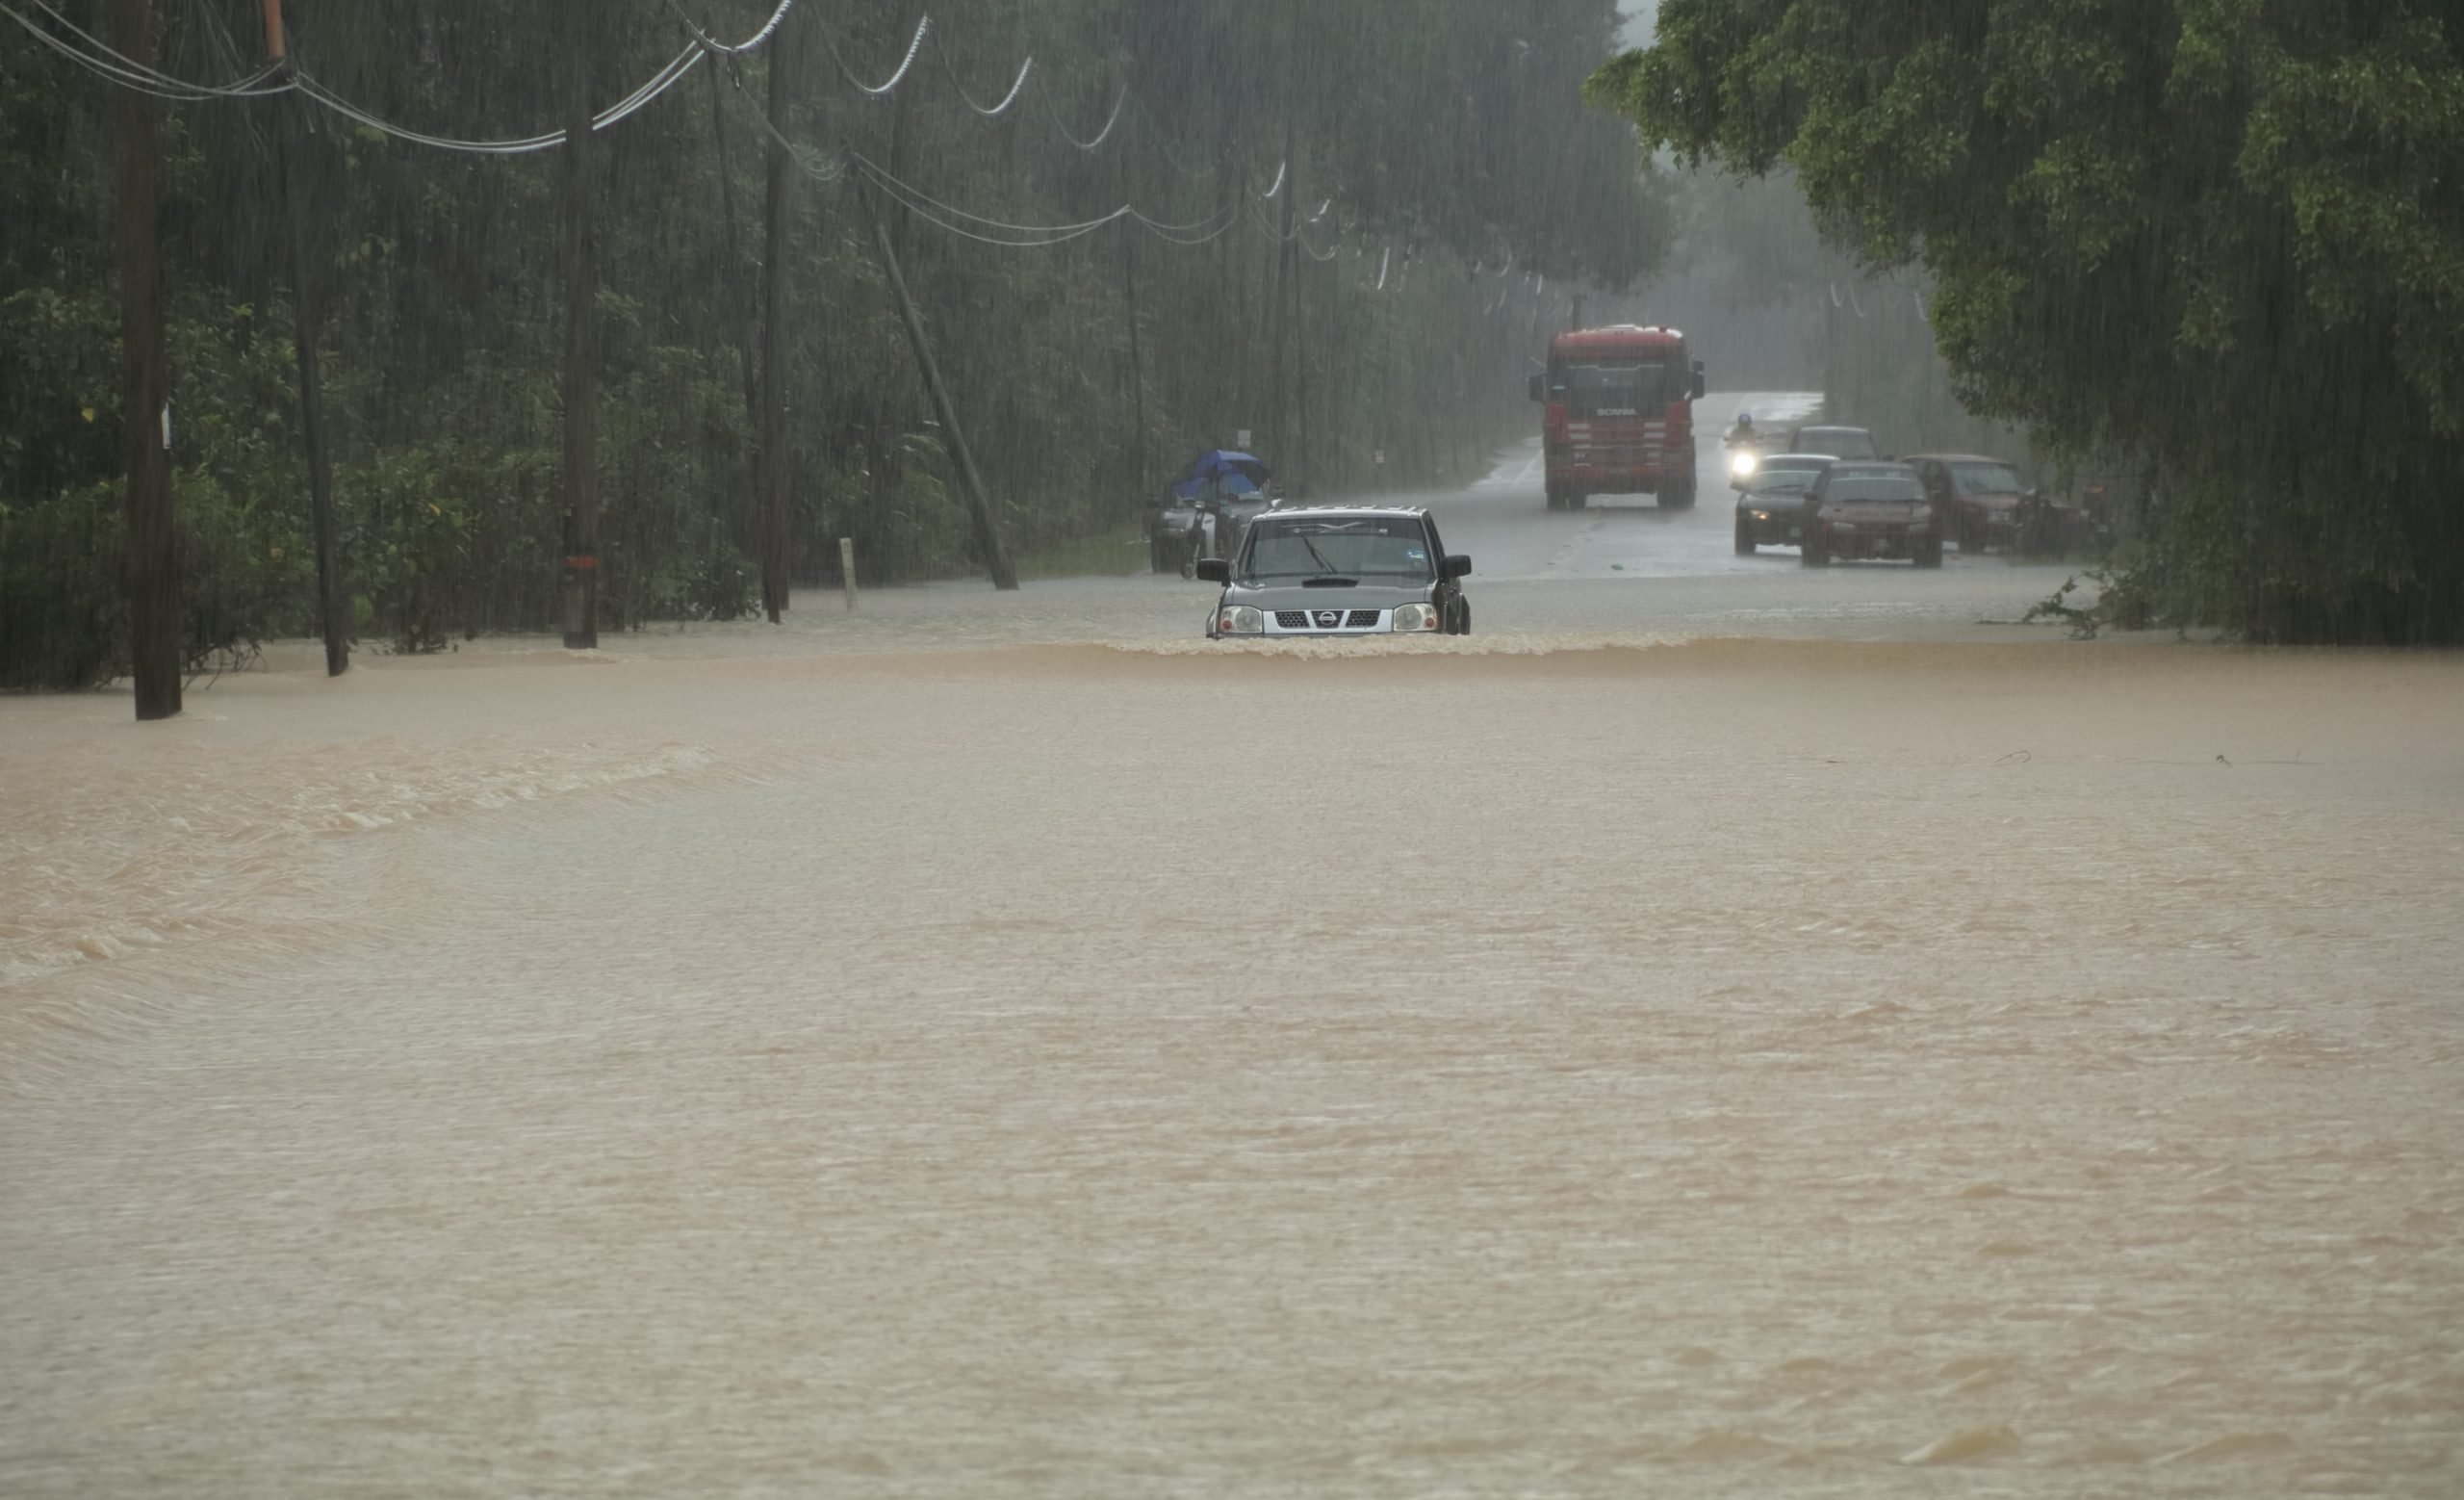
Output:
(1817, 1067)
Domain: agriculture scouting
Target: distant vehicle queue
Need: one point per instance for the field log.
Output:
(1831, 493)
(1618, 419)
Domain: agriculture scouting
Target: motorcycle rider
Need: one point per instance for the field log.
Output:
(1745, 450)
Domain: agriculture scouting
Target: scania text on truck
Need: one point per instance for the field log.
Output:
(1618, 416)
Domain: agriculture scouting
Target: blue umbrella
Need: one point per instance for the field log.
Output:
(1232, 473)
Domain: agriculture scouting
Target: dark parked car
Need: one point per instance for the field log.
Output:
(1347, 570)
(1771, 513)
(1979, 498)
(1173, 530)
(1852, 443)
(1858, 510)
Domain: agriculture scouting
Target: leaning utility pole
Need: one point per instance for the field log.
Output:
(153, 573)
(305, 323)
(988, 537)
(582, 20)
(775, 212)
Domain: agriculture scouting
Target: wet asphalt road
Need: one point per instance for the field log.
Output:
(1625, 566)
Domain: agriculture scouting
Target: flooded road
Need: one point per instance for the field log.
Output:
(998, 1047)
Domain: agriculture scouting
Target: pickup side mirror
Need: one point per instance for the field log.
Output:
(1215, 570)
(1539, 388)
(1458, 566)
(1701, 384)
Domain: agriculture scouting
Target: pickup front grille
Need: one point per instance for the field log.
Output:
(1343, 620)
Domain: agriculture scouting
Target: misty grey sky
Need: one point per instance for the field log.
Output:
(1638, 22)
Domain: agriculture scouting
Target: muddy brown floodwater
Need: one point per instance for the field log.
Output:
(1814, 1068)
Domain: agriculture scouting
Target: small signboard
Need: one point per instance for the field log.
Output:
(1241, 440)
(1382, 457)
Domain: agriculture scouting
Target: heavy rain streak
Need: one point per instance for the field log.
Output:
(1230, 747)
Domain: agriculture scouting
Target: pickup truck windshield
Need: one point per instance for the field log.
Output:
(1284, 549)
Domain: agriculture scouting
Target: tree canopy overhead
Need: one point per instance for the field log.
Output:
(2226, 237)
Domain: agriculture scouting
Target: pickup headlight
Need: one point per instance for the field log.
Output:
(1240, 620)
(1416, 617)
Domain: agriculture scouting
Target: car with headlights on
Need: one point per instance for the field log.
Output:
(1339, 571)
(1870, 511)
(1771, 513)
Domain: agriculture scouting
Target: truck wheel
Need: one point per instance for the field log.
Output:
(1556, 498)
(1678, 500)
(1577, 499)
(1928, 553)
(1463, 617)
(1812, 554)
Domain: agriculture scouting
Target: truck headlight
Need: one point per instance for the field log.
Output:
(1240, 620)
(1416, 617)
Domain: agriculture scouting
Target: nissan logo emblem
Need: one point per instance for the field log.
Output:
(1328, 619)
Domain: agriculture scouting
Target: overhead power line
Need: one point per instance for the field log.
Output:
(99, 57)
(710, 43)
(988, 230)
(1008, 99)
(915, 49)
(1101, 135)
(668, 77)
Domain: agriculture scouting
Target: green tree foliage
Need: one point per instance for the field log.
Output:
(2226, 237)
(1444, 141)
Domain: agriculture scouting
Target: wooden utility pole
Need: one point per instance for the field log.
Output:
(306, 323)
(775, 212)
(988, 537)
(153, 570)
(582, 20)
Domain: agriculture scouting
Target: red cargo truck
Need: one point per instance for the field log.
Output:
(1620, 416)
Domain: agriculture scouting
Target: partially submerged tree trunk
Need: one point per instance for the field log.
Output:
(582, 21)
(153, 569)
(775, 212)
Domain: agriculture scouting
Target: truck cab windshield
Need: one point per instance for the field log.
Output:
(1617, 387)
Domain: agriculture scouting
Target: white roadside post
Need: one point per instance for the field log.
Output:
(847, 569)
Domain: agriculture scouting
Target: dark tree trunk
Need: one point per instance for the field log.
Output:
(775, 212)
(307, 321)
(582, 21)
(745, 322)
(153, 570)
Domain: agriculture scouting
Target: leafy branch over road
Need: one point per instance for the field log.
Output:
(2226, 237)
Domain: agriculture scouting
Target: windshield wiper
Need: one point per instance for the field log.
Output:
(1320, 556)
